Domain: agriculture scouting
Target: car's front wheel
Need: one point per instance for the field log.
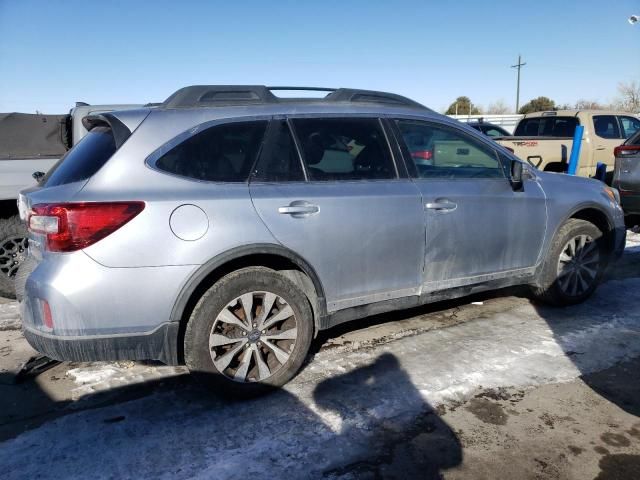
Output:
(249, 333)
(574, 265)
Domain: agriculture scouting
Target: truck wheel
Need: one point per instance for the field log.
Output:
(249, 333)
(13, 251)
(574, 265)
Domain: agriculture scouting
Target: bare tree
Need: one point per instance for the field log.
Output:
(628, 98)
(584, 104)
(499, 107)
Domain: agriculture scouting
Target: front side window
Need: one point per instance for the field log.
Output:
(606, 126)
(441, 152)
(344, 149)
(630, 126)
(222, 153)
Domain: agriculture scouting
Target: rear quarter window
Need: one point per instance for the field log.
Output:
(222, 153)
(84, 159)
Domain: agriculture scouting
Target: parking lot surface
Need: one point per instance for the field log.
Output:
(492, 386)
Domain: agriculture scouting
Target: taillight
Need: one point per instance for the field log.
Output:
(422, 154)
(73, 226)
(626, 150)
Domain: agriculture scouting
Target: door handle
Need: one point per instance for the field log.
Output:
(601, 147)
(441, 205)
(299, 209)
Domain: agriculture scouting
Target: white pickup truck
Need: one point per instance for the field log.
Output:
(544, 139)
(29, 146)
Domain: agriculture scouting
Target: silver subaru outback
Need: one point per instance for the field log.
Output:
(224, 228)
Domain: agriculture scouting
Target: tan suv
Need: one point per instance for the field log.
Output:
(545, 139)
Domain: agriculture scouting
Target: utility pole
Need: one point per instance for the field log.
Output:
(519, 65)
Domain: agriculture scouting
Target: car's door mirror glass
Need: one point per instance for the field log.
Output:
(516, 175)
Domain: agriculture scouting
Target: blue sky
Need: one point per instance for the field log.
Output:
(54, 53)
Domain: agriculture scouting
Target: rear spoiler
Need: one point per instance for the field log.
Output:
(120, 131)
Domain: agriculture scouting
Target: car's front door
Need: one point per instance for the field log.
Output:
(347, 212)
(477, 227)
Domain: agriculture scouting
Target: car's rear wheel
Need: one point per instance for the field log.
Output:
(574, 265)
(13, 251)
(249, 333)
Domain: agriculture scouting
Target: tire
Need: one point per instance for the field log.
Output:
(13, 251)
(222, 352)
(567, 279)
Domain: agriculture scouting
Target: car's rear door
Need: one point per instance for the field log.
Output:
(478, 228)
(344, 209)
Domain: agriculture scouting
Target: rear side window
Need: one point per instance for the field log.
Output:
(606, 126)
(551, 126)
(279, 161)
(222, 153)
(344, 149)
(83, 160)
(630, 126)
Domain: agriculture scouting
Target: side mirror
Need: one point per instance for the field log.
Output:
(37, 176)
(516, 176)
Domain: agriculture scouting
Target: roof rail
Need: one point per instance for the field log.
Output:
(211, 95)
(370, 96)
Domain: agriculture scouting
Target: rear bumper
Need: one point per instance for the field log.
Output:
(100, 313)
(160, 344)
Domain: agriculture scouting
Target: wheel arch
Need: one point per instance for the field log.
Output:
(279, 258)
(591, 213)
(8, 208)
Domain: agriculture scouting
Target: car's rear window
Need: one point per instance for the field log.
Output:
(547, 127)
(84, 159)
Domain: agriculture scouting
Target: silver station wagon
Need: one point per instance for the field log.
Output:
(225, 227)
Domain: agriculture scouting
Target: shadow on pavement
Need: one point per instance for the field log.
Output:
(414, 442)
(613, 308)
(369, 423)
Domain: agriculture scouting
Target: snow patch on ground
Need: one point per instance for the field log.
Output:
(102, 376)
(10, 316)
(633, 242)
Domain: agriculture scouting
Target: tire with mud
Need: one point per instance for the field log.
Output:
(249, 333)
(13, 251)
(574, 264)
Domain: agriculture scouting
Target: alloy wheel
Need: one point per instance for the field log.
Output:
(13, 251)
(253, 336)
(578, 265)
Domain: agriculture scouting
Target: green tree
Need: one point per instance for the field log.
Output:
(539, 104)
(462, 106)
